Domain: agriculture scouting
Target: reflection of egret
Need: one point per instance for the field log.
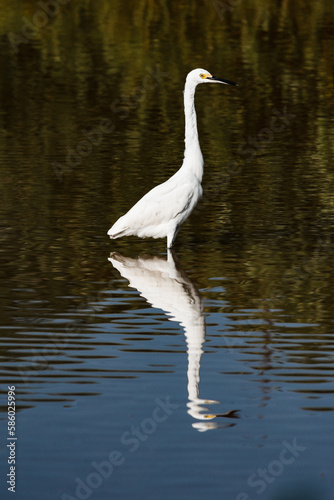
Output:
(162, 211)
(165, 286)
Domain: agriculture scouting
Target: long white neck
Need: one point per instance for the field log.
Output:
(193, 158)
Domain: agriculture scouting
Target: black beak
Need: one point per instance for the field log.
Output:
(221, 80)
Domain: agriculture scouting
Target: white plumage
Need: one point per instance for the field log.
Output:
(162, 211)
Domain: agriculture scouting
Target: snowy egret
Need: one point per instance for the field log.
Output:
(162, 211)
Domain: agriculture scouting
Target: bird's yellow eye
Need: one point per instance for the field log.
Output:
(202, 75)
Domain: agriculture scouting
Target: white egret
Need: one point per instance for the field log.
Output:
(162, 211)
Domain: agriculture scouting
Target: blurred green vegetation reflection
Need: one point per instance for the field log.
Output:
(268, 208)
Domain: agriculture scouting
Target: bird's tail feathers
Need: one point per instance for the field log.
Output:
(117, 230)
(115, 235)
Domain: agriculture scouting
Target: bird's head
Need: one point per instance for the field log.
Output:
(200, 75)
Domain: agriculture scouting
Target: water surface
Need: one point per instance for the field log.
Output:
(206, 372)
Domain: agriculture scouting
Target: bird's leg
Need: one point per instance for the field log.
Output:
(170, 240)
(171, 237)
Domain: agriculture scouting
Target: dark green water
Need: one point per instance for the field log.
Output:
(211, 375)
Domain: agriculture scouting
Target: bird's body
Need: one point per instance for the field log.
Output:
(155, 217)
(162, 211)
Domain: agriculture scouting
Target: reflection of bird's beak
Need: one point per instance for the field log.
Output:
(220, 80)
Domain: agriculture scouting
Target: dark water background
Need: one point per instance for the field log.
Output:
(211, 376)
